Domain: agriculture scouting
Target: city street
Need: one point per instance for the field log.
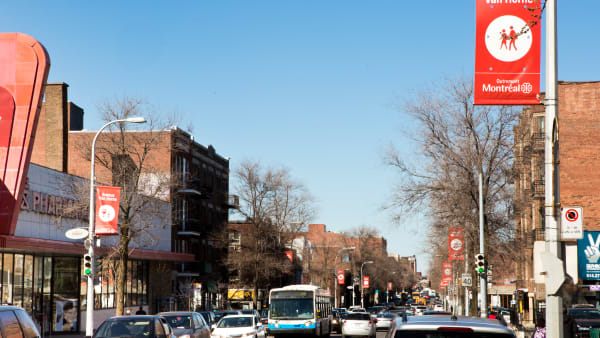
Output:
(380, 334)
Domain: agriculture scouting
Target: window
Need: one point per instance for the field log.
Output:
(540, 124)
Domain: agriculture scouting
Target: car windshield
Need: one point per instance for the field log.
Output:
(437, 334)
(179, 322)
(299, 308)
(385, 315)
(235, 322)
(135, 327)
(357, 316)
(587, 314)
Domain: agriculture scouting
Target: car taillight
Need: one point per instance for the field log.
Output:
(345, 321)
(455, 329)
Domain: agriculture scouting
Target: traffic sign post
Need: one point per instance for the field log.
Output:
(467, 280)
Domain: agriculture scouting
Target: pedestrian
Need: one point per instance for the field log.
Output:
(140, 311)
(540, 327)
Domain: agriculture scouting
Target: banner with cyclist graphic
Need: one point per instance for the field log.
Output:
(507, 52)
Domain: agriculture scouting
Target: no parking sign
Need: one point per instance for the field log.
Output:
(571, 223)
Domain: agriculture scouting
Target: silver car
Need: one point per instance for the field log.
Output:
(358, 324)
(448, 327)
(384, 320)
(187, 324)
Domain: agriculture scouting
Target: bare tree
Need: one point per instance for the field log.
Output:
(128, 160)
(276, 207)
(455, 142)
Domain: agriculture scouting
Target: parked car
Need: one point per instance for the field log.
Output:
(187, 324)
(135, 326)
(251, 312)
(239, 326)
(384, 320)
(356, 309)
(585, 319)
(419, 309)
(358, 324)
(209, 317)
(15, 322)
(448, 326)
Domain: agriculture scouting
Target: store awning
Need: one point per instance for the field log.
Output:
(37, 245)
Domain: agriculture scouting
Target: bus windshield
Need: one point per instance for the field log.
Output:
(292, 308)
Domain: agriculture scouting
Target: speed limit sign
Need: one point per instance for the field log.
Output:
(467, 280)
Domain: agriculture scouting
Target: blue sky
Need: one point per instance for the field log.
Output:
(310, 85)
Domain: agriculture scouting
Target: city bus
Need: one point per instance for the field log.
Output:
(299, 310)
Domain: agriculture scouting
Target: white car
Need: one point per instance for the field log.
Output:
(239, 326)
(358, 324)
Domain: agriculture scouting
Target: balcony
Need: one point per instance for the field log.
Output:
(537, 142)
(537, 189)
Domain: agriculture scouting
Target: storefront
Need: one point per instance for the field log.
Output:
(41, 269)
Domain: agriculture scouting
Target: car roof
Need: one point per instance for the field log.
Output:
(176, 313)
(239, 316)
(432, 322)
(134, 317)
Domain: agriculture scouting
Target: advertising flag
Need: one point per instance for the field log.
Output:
(389, 286)
(107, 210)
(340, 276)
(507, 52)
(365, 282)
(456, 244)
(447, 273)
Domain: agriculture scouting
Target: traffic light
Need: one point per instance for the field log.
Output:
(87, 264)
(480, 263)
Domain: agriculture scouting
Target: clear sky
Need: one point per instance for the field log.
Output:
(311, 85)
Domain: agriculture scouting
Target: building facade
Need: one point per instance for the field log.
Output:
(577, 146)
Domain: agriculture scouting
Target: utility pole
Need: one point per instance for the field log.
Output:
(554, 302)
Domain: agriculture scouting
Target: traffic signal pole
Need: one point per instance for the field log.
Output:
(482, 277)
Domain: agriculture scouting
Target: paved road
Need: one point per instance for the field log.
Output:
(380, 334)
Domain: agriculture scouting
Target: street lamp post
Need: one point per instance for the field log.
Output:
(89, 314)
(362, 284)
(335, 264)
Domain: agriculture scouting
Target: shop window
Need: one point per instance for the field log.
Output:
(18, 281)
(7, 278)
(66, 294)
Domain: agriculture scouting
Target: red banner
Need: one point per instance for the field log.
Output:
(389, 286)
(365, 282)
(340, 276)
(507, 52)
(290, 256)
(447, 273)
(456, 244)
(107, 210)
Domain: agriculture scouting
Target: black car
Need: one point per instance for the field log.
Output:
(585, 319)
(209, 317)
(135, 326)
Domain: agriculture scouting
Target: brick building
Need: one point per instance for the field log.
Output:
(197, 192)
(328, 255)
(579, 143)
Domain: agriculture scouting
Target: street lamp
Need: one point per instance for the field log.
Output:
(362, 284)
(89, 314)
(335, 264)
